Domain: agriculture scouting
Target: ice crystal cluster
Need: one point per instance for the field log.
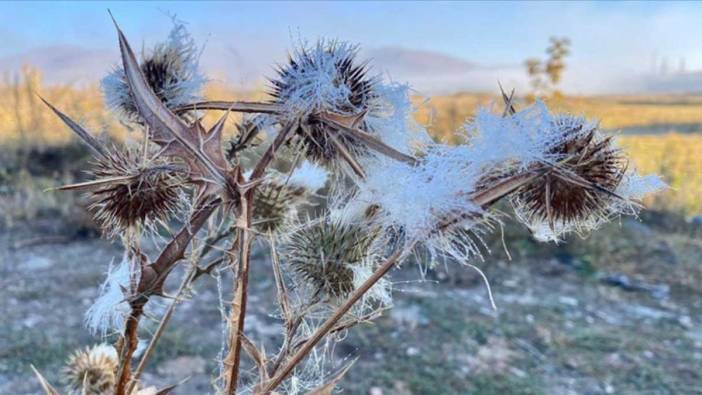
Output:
(345, 186)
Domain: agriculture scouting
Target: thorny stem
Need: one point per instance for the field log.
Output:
(175, 249)
(243, 246)
(373, 142)
(153, 277)
(483, 199)
(187, 280)
(235, 106)
(129, 345)
(238, 307)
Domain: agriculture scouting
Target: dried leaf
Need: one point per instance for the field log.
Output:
(328, 387)
(201, 151)
(256, 355)
(87, 138)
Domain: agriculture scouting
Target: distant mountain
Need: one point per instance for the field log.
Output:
(433, 72)
(416, 61)
(63, 63)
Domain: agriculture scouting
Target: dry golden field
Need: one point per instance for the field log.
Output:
(647, 126)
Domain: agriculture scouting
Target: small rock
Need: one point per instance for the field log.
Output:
(182, 367)
(35, 262)
(375, 391)
(412, 351)
(567, 300)
(686, 321)
(648, 312)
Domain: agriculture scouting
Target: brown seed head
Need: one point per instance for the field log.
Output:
(581, 184)
(133, 192)
(93, 367)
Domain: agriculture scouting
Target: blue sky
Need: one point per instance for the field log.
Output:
(613, 43)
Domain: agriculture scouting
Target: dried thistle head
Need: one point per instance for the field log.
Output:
(131, 191)
(323, 79)
(581, 186)
(275, 204)
(170, 69)
(92, 370)
(325, 254)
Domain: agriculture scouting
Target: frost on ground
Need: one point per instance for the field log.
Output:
(564, 324)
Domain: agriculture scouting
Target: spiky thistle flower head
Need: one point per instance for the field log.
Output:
(583, 170)
(279, 196)
(326, 254)
(323, 79)
(581, 186)
(92, 370)
(171, 70)
(275, 204)
(132, 191)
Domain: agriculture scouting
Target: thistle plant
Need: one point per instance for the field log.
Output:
(350, 140)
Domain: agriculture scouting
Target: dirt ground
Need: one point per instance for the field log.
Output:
(616, 314)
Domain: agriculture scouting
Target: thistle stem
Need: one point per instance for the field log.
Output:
(187, 280)
(237, 315)
(238, 308)
(235, 106)
(373, 142)
(131, 341)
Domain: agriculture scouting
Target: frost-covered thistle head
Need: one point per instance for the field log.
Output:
(275, 203)
(171, 70)
(92, 370)
(582, 185)
(323, 79)
(279, 196)
(327, 254)
(131, 191)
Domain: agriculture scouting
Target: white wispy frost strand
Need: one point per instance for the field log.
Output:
(636, 187)
(309, 176)
(393, 120)
(111, 309)
(520, 139)
(179, 57)
(312, 85)
(415, 198)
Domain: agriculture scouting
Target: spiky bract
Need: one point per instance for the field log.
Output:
(325, 253)
(92, 370)
(133, 191)
(170, 69)
(323, 79)
(582, 184)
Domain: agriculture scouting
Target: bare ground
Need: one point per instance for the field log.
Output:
(619, 313)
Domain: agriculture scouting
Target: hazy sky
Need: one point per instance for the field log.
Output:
(438, 46)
